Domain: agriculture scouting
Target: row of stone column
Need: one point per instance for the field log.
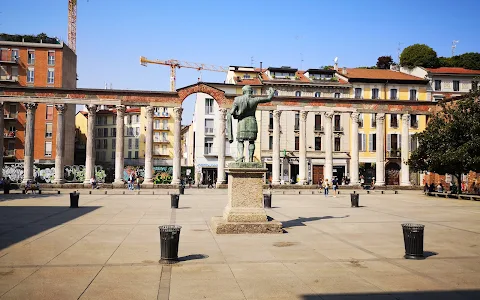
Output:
(354, 149)
(90, 147)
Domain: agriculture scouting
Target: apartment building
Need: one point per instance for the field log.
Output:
(46, 63)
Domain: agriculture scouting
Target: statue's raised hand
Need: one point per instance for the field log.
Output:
(271, 92)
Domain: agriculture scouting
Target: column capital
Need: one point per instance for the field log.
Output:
(303, 115)
(178, 112)
(329, 114)
(406, 118)
(355, 117)
(120, 110)
(222, 111)
(277, 113)
(380, 117)
(61, 108)
(92, 109)
(31, 106)
(149, 110)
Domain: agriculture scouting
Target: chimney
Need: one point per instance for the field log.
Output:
(344, 71)
(260, 67)
(335, 66)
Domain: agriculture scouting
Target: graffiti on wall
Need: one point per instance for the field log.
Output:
(46, 173)
(137, 171)
(162, 175)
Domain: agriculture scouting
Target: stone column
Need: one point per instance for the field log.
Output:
(29, 142)
(328, 168)
(90, 157)
(149, 147)
(2, 132)
(303, 148)
(354, 161)
(60, 144)
(177, 111)
(222, 112)
(276, 147)
(405, 170)
(119, 146)
(380, 145)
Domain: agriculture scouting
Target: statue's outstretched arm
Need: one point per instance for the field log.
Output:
(265, 99)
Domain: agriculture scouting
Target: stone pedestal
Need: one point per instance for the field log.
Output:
(244, 212)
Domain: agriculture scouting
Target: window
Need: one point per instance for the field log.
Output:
(97, 144)
(297, 121)
(208, 145)
(114, 143)
(372, 142)
(49, 112)
(270, 142)
(317, 94)
(374, 93)
(456, 85)
(318, 143)
(164, 137)
(164, 149)
(298, 94)
(360, 120)
(99, 132)
(393, 94)
(337, 144)
(113, 131)
(14, 55)
(246, 76)
(270, 120)
(413, 121)
(393, 120)
(438, 85)
(208, 126)
(114, 120)
(358, 93)
(337, 95)
(156, 124)
(30, 75)
(362, 142)
(14, 73)
(113, 154)
(156, 137)
(413, 145)
(393, 141)
(129, 154)
(413, 95)
(51, 58)
(373, 120)
(105, 144)
(31, 57)
(337, 123)
(137, 131)
(275, 93)
(105, 132)
(297, 143)
(48, 130)
(165, 124)
(48, 148)
(208, 106)
(318, 122)
(137, 143)
(136, 154)
(129, 143)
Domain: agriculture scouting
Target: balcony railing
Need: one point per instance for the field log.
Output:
(159, 114)
(163, 141)
(9, 78)
(208, 130)
(338, 128)
(8, 58)
(414, 124)
(319, 129)
(9, 134)
(10, 116)
(10, 152)
(394, 153)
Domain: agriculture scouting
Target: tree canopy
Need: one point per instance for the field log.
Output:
(384, 62)
(470, 60)
(451, 142)
(419, 55)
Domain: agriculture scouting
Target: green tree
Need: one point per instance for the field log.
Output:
(419, 55)
(470, 60)
(384, 62)
(451, 142)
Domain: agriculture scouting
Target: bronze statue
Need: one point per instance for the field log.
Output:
(243, 109)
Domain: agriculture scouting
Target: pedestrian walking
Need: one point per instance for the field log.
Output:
(335, 187)
(325, 187)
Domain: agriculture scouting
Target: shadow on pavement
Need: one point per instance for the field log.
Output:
(192, 257)
(414, 295)
(300, 221)
(18, 223)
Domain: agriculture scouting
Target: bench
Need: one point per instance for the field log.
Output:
(455, 196)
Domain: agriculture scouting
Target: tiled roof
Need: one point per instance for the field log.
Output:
(377, 74)
(448, 70)
(251, 81)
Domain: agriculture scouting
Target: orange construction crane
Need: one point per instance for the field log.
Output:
(177, 64)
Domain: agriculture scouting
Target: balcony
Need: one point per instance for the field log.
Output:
(208, 131)
(394, 153)
(319, 129)
(9, 78)
(7, 58)
(338, 129)
(161, 115)
(163, 128)
(161, 141)
(10, 116)
(9, 153)
(9, 134)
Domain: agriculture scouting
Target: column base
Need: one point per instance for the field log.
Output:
(118, 183)
(148, 181)
(405, 184)
(175, 181)
(302, 182)
(220, 226)
(380, 183)
(276, 182)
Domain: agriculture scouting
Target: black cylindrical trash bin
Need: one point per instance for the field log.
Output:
(169, 239)
(354, 199)
(6, 188)
(413, 240)
(74, 200)
(267, 201)
(174, 198)
(182, 190)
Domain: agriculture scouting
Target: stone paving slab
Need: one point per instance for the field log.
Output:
(109, 248)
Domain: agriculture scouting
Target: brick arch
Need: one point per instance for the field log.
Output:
(215, 93)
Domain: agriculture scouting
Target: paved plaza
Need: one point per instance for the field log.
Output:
(109, 248)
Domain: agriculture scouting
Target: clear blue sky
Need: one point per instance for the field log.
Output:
(111, 36)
